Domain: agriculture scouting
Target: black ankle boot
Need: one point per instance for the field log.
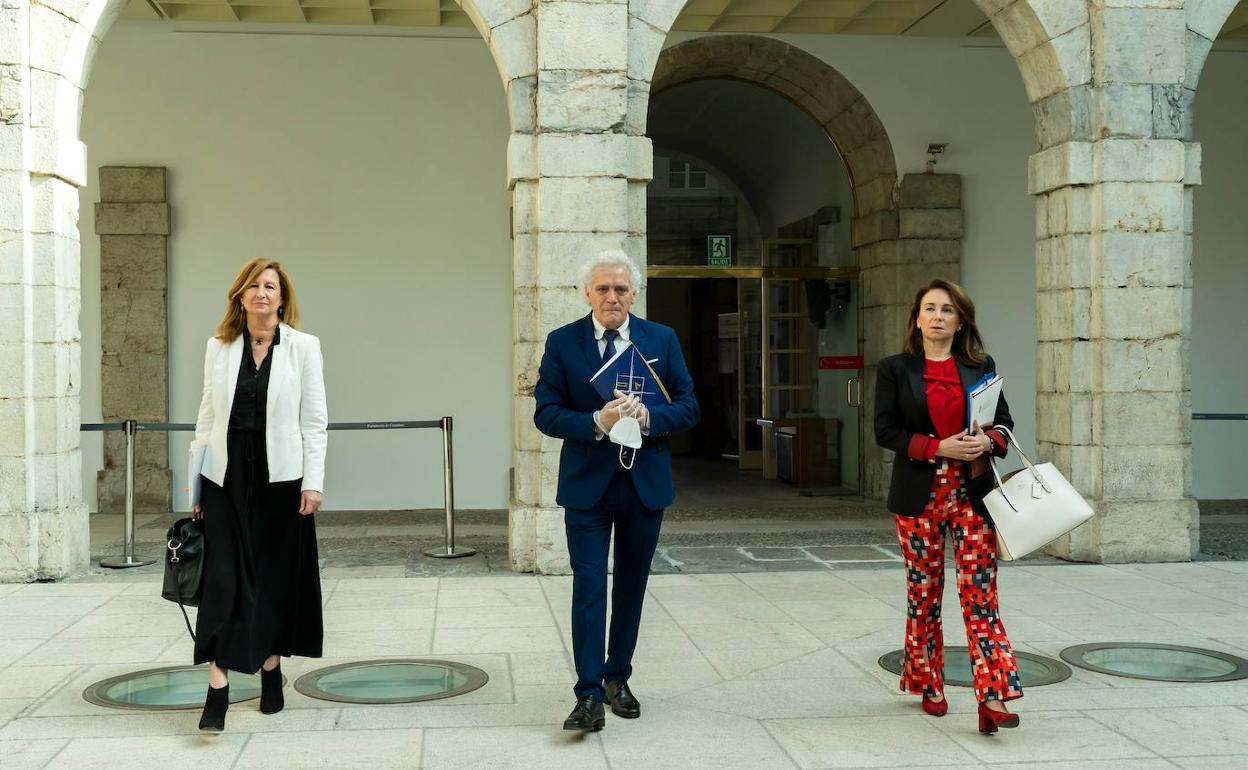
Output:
(215, 705)
(271, 698)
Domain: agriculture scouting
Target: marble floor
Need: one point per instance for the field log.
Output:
(767, 669)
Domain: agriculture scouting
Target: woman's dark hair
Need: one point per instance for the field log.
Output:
(968, 346)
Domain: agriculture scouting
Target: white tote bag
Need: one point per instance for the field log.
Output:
(1033, 507)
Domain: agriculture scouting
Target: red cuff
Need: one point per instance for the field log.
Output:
(922, 448)
(1000, 447)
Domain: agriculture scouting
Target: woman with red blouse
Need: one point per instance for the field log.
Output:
(938, 485)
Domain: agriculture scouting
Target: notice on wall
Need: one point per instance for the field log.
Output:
(719, 250)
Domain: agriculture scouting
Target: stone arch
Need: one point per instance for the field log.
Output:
(49, 58)
(902, 233)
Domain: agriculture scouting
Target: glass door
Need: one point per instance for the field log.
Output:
(810, 372)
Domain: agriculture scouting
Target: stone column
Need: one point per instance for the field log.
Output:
(43, 522)
(899, 250)
(579, 183)
(1113, 275)
(132, 220)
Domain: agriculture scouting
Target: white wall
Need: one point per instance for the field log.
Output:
(374, 169)
(1219, 351)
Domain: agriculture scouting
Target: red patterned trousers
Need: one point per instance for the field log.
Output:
(922, 537)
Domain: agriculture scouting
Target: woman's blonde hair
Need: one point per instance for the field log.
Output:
(235, 320)
(968, 346)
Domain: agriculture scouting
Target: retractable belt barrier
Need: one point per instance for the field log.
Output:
(133, 427)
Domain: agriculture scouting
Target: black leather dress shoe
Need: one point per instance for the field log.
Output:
(587, 716)
(623, 704)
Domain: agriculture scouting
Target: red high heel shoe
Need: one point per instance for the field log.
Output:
(990, 720)
(937, 708)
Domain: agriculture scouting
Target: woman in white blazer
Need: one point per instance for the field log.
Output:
(262, 423)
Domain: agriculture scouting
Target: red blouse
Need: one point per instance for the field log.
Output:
(946, 404)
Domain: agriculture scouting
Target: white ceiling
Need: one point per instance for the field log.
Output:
(939, 18)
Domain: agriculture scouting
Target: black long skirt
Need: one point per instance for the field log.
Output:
(262, 587)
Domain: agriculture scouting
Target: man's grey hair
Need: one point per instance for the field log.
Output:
(610, 258)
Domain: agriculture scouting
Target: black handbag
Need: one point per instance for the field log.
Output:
(184, 566)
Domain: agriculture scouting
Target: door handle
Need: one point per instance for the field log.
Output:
(853, 392)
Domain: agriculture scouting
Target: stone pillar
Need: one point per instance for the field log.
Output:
(1113, 275)
(43, 523)
(132, 220)
(899, 250)
(579, 184)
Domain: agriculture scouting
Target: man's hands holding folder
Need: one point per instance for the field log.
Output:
(623, 406)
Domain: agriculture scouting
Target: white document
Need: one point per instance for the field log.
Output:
(984, 402)
(194, 471)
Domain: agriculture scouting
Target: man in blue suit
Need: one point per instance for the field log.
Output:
(602, 484)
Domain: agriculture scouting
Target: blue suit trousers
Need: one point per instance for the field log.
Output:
(598, 655)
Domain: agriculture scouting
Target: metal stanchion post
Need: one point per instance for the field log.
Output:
(128, 559)
(448, 494)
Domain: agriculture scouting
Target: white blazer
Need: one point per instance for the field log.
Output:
(295, 416)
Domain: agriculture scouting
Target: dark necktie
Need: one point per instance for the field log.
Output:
(610, 336)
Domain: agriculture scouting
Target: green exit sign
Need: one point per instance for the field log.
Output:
(719, 250)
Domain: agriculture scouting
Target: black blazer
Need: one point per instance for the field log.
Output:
(901, 411)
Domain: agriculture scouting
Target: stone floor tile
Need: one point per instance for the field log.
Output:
(385, 584)
(1110, 764)
(13, 650)
(129, 605)
(1182, 731)
(736, 636)
(59, 651)
(725, 593)
(545, 705)
(1214, 624)
(167, 623)
(155, 752)
(780, 663)
(808, 577)
(1228, 762)
(382, 600)
(519, 582)
(839, 608)
(48, 590)
(512, 748)
(34, 681)
(367, 619)
(336, 749)
(1048, 605)
(797, 698)
(494, 617)
(12, 707)
(29, 755)
(15, 605)
(688, 612)
(860, 742)
(492, 597)
(681, 736)
(1059, 697)
(379, 643)
(882, 632)
(828, 590)
(542, 667)
(372, 571)
(1122, 626)
(449, 641)
(710, 579)
(1043, 736)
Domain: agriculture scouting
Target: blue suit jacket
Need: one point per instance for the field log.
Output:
(566, 403)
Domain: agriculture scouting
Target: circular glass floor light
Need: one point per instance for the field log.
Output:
(391, 681)
(1034, 670)
(166, 689)
(1157, 662)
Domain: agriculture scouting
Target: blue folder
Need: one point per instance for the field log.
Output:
(630, 373)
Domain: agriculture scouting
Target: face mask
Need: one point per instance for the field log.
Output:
(627, 433)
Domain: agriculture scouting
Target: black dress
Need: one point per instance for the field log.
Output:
(262, 588)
